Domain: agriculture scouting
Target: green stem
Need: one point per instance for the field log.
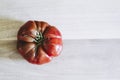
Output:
(39, 38)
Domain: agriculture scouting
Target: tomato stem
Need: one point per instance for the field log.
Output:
(39, 38)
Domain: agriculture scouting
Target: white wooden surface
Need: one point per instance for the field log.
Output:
(77, 19)
(80, 60)
(92, 59)
(94, 53)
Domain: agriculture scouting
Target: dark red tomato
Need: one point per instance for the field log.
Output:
(38, 42)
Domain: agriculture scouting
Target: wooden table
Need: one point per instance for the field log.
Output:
(80, 59)
(91, 35)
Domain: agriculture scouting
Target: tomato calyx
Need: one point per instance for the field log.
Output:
(39, 38)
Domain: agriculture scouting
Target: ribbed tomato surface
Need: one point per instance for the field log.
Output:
(38, 42)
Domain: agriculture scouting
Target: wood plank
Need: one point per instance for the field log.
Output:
(80, 59)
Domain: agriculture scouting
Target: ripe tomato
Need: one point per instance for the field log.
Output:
(38, 42)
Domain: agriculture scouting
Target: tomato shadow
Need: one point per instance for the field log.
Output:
(8, 34)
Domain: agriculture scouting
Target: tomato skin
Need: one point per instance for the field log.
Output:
(38, 42)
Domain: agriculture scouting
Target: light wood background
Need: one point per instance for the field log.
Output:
(91, 35)
(77, 19)
(80, 60)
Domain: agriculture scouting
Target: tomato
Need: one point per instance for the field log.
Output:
(38, 42)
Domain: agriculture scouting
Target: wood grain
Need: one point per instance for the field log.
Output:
(78, 19)
(80, 59)
(94, 53)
